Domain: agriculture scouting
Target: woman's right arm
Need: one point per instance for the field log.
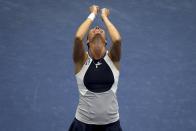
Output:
(78, 49)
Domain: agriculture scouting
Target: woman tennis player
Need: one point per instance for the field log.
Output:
(97, 74)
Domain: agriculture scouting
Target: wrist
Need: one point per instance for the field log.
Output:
(92, 16)
(104, 17)
(95, 12)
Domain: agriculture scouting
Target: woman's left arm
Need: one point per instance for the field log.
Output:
(115, 50)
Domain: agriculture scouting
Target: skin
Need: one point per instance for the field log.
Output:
(96, 40)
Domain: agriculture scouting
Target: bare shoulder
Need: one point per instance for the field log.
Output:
(116, 63)
(79, 65)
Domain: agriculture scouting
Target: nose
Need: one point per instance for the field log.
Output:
(97, 27)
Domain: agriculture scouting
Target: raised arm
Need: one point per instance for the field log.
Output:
(115, 50)
(78, 49)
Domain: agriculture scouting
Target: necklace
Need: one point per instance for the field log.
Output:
(98, 63)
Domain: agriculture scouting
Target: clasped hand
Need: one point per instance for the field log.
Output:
(95, 9)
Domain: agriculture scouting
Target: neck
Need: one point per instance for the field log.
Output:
(98, 49)
(97, 54)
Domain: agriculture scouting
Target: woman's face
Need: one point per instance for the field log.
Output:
(96, 36)
(97, 42)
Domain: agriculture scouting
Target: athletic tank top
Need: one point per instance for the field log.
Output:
(97, 84)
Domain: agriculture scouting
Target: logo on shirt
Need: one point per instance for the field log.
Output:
(88, 61)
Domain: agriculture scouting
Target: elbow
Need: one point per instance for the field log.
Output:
(78, 37)
(117, 40)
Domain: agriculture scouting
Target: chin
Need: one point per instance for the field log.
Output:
(98, 37)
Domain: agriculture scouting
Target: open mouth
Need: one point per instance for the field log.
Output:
(97, 32)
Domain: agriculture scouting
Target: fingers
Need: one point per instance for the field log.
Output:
(105, 12)
(96, 9)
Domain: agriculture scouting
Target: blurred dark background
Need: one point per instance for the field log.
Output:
(157, 86)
